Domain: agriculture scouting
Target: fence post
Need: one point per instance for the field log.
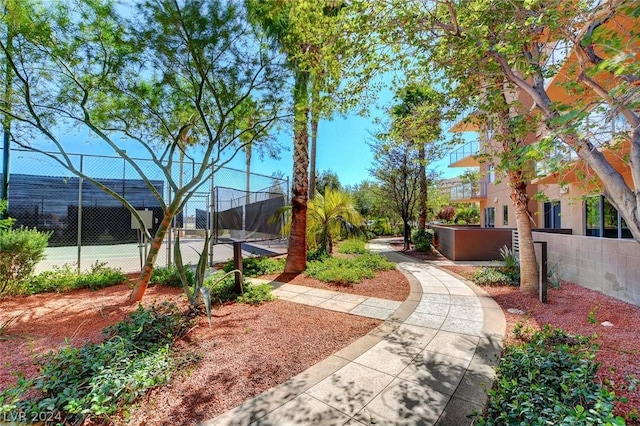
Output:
(80, 181)
(237, 264)
(542, 283)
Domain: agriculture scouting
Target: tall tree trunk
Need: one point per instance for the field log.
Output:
(422, 200)
(528, 266)
(297, 249)
(315, 118)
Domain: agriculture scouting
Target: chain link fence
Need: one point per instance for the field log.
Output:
(89, 225)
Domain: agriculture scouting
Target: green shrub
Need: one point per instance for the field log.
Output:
(549, 380)
(348, 271)
(317, 255)
(170, 276)
(511, 263)
(64, 278)
(224, 290)
(423, 239)
(493, 276)
(100, 276)
(7, 222)
(61, 278)
(257, 266)
(20, 251)
(97, 379)
(352, 246)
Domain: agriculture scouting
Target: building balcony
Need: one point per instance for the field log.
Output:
(465, 155)
(468, 192)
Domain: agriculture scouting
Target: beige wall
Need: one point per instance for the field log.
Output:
(610, 266)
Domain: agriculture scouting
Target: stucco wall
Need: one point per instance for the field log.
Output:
(610, 266)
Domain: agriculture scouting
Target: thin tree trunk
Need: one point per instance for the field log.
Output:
(406, 234)
(528, 265)
(422, 218)
(297, 249)
(145, 275)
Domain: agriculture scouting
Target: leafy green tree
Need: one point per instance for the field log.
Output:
(396, 168)
(417, 119)
(332, 215)
(166, 77)
(328, 179)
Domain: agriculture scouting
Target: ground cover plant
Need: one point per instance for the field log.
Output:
(170, 276)
(352, 246)
(98, 379)
(64, 278)
(348, 270)
(256, 266)
(550, 379)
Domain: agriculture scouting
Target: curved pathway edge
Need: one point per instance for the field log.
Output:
(430, 363)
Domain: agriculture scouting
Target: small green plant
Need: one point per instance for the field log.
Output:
(20, 250)
(100, 276)
(492, 276)
(170, 276)
(423, 239)
(257, 266)
(352, 246)
(222, 289)
(8, 222)
(549, 380)
(591, 318)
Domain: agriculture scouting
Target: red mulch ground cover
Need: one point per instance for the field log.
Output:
(248, 350)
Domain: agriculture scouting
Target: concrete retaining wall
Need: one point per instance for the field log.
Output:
(611, 266)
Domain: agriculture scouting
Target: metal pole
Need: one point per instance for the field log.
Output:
(542, 283)
(213, 238)
(80, 181)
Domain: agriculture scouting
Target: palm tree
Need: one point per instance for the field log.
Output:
(330, 215)
(275, 18)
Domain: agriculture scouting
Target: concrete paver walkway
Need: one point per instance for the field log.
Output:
(429, 363)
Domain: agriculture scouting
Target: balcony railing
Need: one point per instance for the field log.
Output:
(468, 191)
(465, 151)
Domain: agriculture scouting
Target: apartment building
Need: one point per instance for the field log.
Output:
(588, 241)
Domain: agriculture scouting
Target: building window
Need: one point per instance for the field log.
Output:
(490, 131)
(603, 220)
(490, 217)
(491, 173)
(552, 215)
(505, 215)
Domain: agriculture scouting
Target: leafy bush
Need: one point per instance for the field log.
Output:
(65, 278)
(549, 380)
(317, 255)
(224, 291)
(492, 276)
(348, 271)
(170, 276)
(100, 276)
(352, 246)
(8, 222)
(257, 266)
(511, 264)
(423, 239)
(20, 251)
(97, 379)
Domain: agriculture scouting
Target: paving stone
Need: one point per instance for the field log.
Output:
(404, 403)
(453, 344)
(457, 325)
(425, 320)
(303, 410)
(306, 299)
(337, 305)
(412, 335)
(438, 371)
(371, 312)
(382, 303)
(388, 357)
(350, 388)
